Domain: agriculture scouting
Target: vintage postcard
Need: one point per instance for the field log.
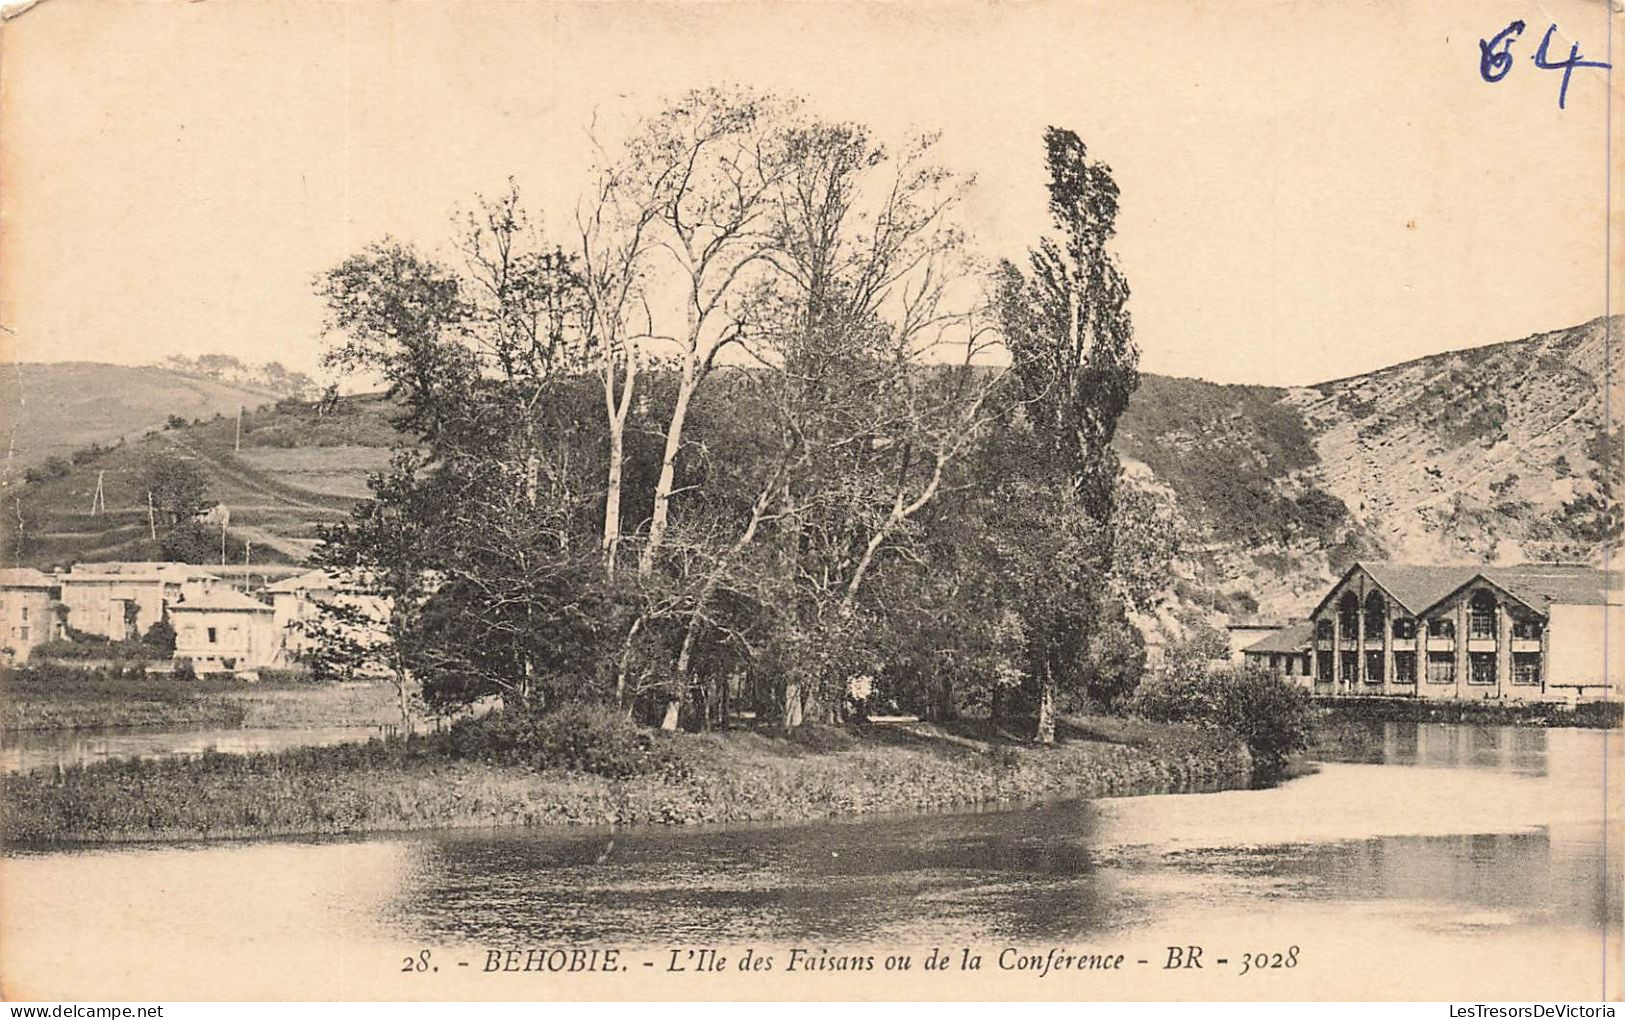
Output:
(810, 501)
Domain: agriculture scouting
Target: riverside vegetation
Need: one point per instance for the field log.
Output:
(589, 766)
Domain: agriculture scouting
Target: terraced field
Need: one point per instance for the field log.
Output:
(294, 471)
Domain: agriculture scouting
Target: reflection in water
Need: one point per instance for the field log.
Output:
(1551, 876)
(1438, 745)
(1473, 842)
(1025, 873)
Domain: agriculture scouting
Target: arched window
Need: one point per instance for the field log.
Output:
(1404, 627)
(1481, 615)
(1323, 629)
(1376, 610)
(1348, 615)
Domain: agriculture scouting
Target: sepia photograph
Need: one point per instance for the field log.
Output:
(810, 502)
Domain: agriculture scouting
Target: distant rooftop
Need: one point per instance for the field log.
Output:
(322, 580)
(25, 577)
(220, 599)
(310, 580)
(149, 570)
(1255, 623)
(1294, 637)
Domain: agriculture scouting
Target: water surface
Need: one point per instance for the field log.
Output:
(1454, 861)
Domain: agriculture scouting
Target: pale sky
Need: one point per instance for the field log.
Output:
(1310, 189)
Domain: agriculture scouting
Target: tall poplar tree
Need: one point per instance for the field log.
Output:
(1071, 343)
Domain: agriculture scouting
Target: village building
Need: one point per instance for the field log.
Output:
(1538, 632)
(28, 611)
(121, 601)
(297, 603)
(220, 630)
(1248, 631)
(1284, 651)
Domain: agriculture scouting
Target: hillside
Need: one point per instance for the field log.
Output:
(1493, 454)
(295, 470)
(1490, 454)
(54, 410)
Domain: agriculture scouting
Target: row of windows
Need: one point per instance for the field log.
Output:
(1405, 628)
(1290, 663)
(1441, 667)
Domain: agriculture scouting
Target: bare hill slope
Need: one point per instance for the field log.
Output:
(52, 410)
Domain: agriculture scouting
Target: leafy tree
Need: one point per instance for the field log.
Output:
(178, 490)
(468, 540)
(178, 487)
(395, 312)
(846, 513)
(1071, 343)
(385, 547)
(1067, 325)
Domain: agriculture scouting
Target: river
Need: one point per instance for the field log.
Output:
(1459, 862)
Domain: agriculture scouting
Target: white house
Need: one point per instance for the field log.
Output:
(221, 630)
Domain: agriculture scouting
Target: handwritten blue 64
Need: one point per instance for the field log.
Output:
(1495, 58)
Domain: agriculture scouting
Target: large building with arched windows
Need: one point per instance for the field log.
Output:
(1545, 632)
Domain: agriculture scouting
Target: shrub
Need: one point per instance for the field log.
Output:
(83, 647)
(184, 670)
(285, 676)
(87, 454)
(160, 637)
(575, 737)
(1273, 717)
(54, 467)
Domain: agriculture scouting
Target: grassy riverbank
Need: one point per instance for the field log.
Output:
(61, 698)
(726, 777)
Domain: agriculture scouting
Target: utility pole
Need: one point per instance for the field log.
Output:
(152, 517)
(222, 542)
(237, 446)
(98, 502)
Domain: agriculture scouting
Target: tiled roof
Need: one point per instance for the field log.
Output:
(1294, 637)
(310, 580)
(1539, 585)
(1418, 587)
(25, 577)
(220, 599)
